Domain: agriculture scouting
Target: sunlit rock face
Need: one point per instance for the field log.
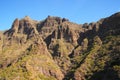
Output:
(57, 49)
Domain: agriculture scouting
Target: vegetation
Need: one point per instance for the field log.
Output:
(71, 52)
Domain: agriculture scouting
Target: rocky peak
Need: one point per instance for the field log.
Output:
(116, 15)
(14, 28)
(56, 18)
(25, 26)
(28, 26)
(110, 25)
(27, 18)
(54, 21)
(55, 46)
(15, 24)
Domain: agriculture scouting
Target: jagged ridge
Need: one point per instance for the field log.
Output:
(56, 48)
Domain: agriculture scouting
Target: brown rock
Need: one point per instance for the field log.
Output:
(15, 25)
(46, 47)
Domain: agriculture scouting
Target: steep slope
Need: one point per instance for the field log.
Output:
(35, 63)
(57, 49)
(25, 56)
(102, 61)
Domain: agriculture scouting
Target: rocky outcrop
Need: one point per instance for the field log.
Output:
(42, 61)
(33, 58)
(95, 62)
(57, 49)
(110, 25)
(24, 26)
(14, 28)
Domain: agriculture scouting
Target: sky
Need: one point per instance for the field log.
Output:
(78, 11)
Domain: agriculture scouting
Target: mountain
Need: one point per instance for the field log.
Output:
(57, 49)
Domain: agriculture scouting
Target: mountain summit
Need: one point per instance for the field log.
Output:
(57, 49)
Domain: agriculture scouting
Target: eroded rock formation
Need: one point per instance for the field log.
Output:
(57, 49)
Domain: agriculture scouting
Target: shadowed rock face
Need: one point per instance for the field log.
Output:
(57, 49)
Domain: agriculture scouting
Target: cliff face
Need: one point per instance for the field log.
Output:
(57, 49)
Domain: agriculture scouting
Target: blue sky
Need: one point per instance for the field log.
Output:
(78, 11)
